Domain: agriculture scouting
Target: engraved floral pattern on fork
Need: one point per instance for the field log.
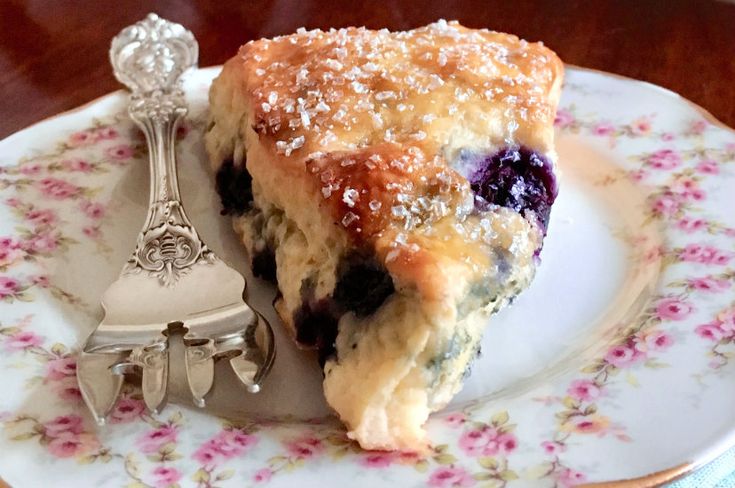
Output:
(150, 57)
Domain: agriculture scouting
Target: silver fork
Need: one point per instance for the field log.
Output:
(172, 284)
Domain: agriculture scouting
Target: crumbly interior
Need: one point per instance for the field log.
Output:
(353, 141)
(411, 354)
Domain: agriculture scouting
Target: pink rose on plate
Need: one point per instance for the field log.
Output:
(30, 169)
(78, 165)
(8, 243)
(408, 457)
(591, 424)
(263, 475)
(9, 256)
(726, 320)
(476, 442)
(569, 477)
(691, 253)
(620, 356)
(231, 443)
(641, 126)
(41, 217)
(696, 253)
(154, 439)
(206, 455)
(23, 340)
(652, 341)
(450, 476)
(165, 476)
(695, 194)
(377, 459)
(305, 447)
(91, 231)
(62, 424)
(126, 410)
(487, 441)
(60, 368)
(584, 390)
(667, 136)
(57, 188)
(225, 445)
(81, 138)
(721, 258)
(698, 127)
(553, 447)
(120, 152)
(8, 286)
(666, 205)
(507, 443)
(455, 419)
(564, 118)
(93, 210)
(68, 390)
(105, 133)
(658, 341)
(603, 129)
(689, 225)
(673, 309)
(708, 167)
(709, 331)
(709, 284)
(43, 243)
(638, 175)
(664, 159)
(688, 188)
(712, 255)
(69, 444)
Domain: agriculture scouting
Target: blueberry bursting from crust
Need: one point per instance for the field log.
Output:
(516, 178)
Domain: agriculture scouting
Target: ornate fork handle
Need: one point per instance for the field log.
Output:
(161, 295)
(150, 57)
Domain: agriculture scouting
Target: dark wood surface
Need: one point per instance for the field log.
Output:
(53, 54)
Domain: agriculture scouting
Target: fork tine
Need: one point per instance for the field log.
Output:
(263, 341)
(154, 361)
(100, 386)
(246, 371)
(200, 367)
(257, 354)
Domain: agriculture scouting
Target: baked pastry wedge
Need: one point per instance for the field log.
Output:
(397, 187)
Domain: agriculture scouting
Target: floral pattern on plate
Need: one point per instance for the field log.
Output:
(63, 195)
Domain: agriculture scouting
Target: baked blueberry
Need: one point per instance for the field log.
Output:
(235, 188)
(516, 178)
(363, 286)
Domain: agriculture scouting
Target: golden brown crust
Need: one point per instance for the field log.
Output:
(371, 188)
(333, 100)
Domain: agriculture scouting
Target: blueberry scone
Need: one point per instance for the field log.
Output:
(397, 187)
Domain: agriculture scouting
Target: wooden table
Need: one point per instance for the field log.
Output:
(53, 55)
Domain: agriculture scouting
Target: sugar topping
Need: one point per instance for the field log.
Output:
(368, 113)
(352, 81)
